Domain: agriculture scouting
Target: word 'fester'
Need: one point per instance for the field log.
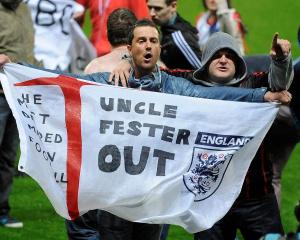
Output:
(135, 128)
(109, 159)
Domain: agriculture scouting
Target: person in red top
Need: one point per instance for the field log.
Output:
(99, 12)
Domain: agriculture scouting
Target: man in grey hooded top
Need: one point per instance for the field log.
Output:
(281, 70)
(255, 212)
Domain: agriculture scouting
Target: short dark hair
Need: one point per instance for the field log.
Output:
(118, 25)
(10, 4)
(168, 2)
(205, 6)
(141, 23)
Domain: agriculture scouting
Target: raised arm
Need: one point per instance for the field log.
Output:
(281, 68)
(184, 87)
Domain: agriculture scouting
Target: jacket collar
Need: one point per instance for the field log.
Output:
(151, 82)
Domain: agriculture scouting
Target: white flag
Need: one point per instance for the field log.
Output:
(143, 156)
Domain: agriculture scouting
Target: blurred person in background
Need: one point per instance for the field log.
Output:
(220, 16)
(100, 10)
(118, 25)
(16, 41)
(59, 41)
(180, 48)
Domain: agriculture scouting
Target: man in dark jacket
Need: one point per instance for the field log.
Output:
(255, 212)
(180, 48)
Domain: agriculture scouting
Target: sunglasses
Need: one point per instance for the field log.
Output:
(228, 54)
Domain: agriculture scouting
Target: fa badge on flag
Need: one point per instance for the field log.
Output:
(206, 172)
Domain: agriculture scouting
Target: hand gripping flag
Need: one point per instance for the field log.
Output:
(143, 156)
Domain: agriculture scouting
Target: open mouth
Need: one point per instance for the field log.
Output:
(147, 57)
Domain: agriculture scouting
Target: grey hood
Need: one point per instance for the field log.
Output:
(216, 42)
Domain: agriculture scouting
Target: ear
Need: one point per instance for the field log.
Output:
(129, 47)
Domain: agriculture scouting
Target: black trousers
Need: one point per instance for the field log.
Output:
(254, 218)
(9, 143)
(101, 225)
